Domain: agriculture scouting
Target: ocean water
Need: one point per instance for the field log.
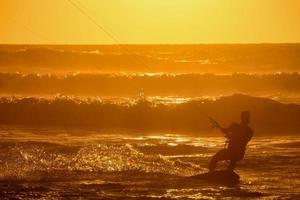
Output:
(210, 58)
(283, 87)
(98, 122)
(186, 71)
(90, 164)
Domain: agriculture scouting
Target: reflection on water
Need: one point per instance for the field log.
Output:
(50, 163)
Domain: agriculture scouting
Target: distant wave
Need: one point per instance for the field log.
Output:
(185, 85)
(259, 58)
(268, 116)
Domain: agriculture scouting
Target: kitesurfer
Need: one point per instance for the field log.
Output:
(238, 135)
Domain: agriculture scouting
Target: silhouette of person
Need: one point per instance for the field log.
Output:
(238, 135)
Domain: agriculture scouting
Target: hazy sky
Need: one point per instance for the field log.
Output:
(150, 21)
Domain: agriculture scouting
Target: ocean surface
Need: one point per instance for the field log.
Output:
(202, 58)
(157, 71)
(131, 121)
(63, 163)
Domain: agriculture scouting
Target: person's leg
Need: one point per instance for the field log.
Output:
(220, 155)
(235, 157)
(232, 165)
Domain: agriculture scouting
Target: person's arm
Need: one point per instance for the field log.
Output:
(226, 131)
(229, 130)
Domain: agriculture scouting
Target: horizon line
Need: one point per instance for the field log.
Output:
(149, 44)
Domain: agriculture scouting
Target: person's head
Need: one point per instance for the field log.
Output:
(245, 117)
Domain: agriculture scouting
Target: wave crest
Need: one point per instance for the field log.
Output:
(269, 116)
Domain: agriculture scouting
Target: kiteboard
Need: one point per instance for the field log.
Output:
(221, 177)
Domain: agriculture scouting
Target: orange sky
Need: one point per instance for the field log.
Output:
(150, 21)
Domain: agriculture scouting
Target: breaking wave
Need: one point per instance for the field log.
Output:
(184, 85)
(269, 116)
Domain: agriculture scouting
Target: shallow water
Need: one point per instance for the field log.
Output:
(52, 163)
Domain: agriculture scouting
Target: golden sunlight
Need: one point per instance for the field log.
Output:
(151, 21)
(149, 99)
